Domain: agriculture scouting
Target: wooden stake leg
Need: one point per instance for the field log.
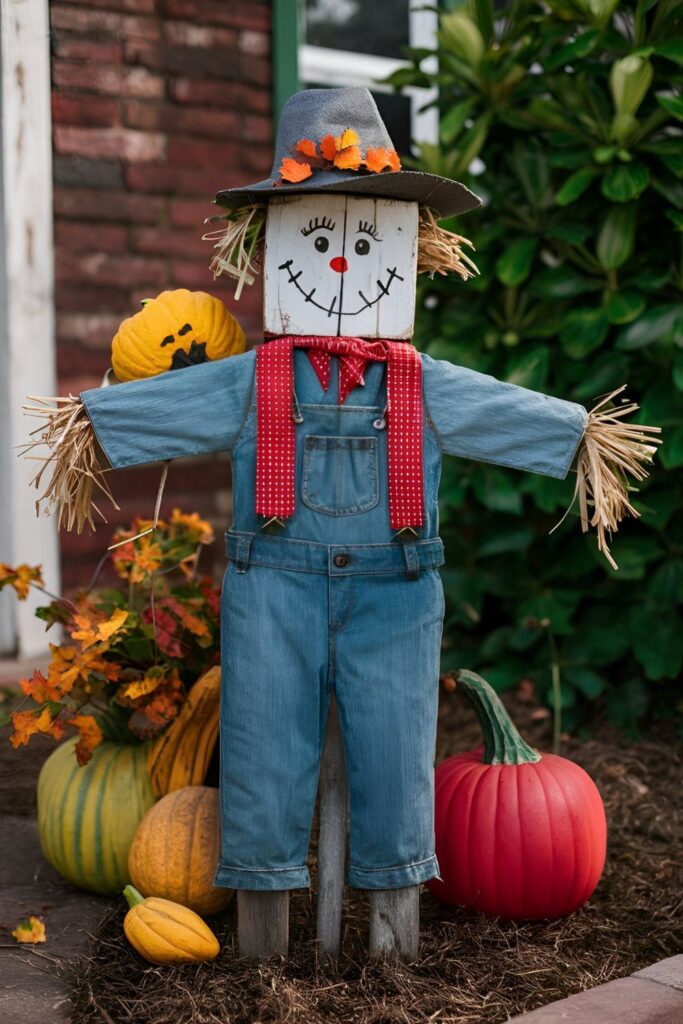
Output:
(263, 923)
(332, 838)
(395, 922)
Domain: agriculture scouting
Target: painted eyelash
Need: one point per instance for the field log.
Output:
(313, 225)
(369, 229)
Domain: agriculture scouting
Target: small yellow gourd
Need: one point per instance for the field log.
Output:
(164, 932)
(176, 329)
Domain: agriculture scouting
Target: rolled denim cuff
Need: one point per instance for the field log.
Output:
(396, 877)
(262, 879)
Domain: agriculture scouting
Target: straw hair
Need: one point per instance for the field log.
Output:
(239, 244)
(74, 457)
(440, 251)
(610, 451)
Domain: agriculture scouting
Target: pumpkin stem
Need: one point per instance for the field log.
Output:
(502, 742)
(133, 897)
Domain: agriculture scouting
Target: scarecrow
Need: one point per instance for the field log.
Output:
(336, 427)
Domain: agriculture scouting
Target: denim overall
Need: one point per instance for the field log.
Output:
(333, 602)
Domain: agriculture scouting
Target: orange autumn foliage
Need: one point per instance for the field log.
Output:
(342, 152)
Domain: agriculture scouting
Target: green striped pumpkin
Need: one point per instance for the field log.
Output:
(87, 816)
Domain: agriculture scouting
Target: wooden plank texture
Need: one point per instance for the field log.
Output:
(395, 922)
(332, 838)
(263, 924)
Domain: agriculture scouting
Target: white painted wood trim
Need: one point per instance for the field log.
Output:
(27, 345)
(344, 68)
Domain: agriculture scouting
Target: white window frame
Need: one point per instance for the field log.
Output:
(27, 344)
(346, 68)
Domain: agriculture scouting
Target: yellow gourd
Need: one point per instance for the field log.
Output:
(176, 848)
(178, 328)
(164, 932)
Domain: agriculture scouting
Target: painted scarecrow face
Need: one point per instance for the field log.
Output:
(340, 265)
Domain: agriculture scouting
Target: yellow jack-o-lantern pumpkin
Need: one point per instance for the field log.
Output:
(176, 329)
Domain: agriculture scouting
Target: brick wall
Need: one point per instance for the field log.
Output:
(157, 104)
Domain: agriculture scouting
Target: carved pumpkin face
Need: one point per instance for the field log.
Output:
(176, 329)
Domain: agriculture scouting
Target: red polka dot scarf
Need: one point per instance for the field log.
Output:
(276, 443)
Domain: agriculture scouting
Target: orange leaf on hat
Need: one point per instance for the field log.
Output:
(346, 139)
(307, 147)
(376, 159)
(328, 147)
(292, 170)
(349, 159)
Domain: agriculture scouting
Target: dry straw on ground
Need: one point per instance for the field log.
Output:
(471, 969)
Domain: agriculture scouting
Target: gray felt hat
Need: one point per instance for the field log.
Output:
(314, 113)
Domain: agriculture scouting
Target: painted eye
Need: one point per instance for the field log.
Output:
(168, 340)
(362, 247)
(322, 244)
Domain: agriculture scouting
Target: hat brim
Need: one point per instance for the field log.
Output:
(443, 195)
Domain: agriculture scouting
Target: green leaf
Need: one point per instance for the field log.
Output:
(515, 264)
(670, 453)
(624, 306)
(665, 588)
(676, 218)
(651, 326)
(657, 642)
(602, 643)
(552, 610)
(616, 236)
(578, 48)
(496, 490)
(673, 105)
(561, 283)
(627, 703)
(528, 368)
(633, 555)
(657, 506)
(575, 185)
(671, 49)
(567, 695)
(583, 331)
(453, 121)
(625, 182)
(587, 682)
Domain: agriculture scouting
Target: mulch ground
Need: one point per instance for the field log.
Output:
(472, 969)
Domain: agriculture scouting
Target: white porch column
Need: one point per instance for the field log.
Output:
(27, 347)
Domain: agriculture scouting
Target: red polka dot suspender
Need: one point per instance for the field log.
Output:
(276, 442)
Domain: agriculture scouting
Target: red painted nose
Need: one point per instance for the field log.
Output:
(340, 264)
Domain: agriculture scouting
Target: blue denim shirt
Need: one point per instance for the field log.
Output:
(341, 451)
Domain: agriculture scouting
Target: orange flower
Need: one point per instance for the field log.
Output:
(28, 723)
(307, 147)
(292, 170)
(378, 158)
(91, 736)
(349, 159)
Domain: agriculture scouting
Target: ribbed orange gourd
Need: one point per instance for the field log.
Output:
(519, 834)
(178, 328)
(176, 848)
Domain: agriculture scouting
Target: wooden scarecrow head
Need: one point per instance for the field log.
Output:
(339, 229)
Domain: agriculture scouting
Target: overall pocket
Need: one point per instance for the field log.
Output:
(340, 475)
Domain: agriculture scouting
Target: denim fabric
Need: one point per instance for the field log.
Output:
(333, 603)
(331, 618)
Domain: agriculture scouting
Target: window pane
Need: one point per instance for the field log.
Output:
(378, 28)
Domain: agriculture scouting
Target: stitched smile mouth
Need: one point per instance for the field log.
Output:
(384, 286)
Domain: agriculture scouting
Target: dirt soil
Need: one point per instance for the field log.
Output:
(471, 969)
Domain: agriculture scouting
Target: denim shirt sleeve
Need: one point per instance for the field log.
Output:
(192, 411)
(478, 417)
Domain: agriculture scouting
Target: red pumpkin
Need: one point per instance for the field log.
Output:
(518, 834)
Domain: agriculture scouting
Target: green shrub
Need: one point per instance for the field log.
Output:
(573, 109)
